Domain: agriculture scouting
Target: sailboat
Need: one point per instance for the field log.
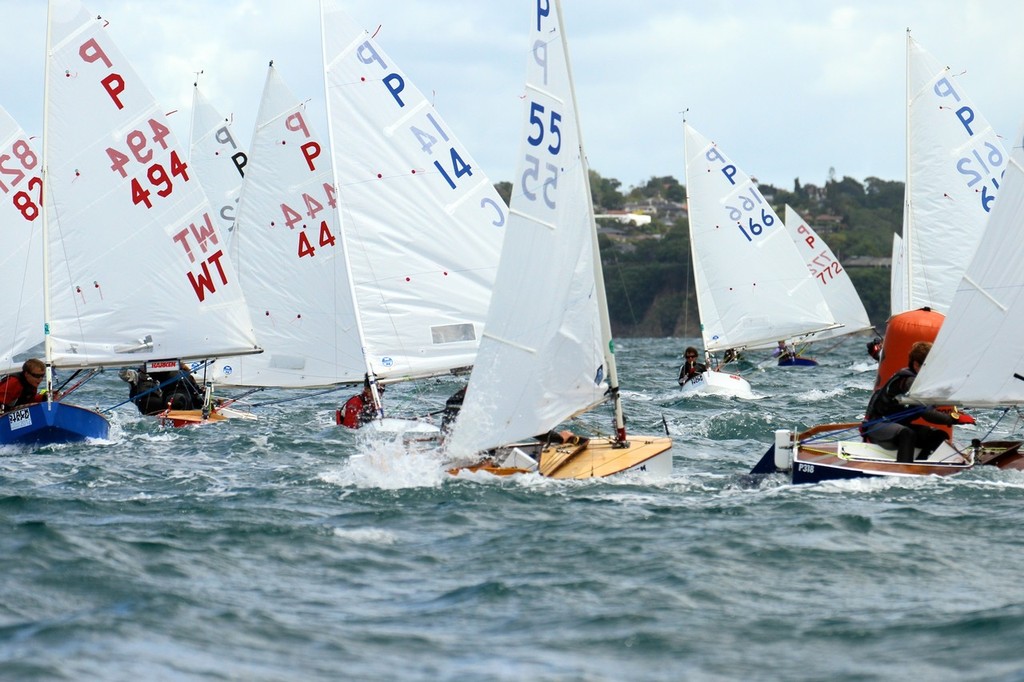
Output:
(753, 288)
(547, 352)
(422, 223)
(963, 367)
(134, 266)
(956, 165)
(833, 281)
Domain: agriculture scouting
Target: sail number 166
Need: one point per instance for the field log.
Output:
(751, 225)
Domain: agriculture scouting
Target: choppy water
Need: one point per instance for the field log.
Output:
(271, 551)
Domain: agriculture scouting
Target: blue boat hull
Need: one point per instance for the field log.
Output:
(798, 362)
(45, 423)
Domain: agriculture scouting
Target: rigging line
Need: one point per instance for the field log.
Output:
(326, 391)
(625, 289)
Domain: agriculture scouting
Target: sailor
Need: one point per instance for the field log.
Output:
(156, 392)
(358, 410)
(690, 367)
(22, 388)
(888, 423)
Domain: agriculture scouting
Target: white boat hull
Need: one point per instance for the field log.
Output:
(392, 425)
(718, 383)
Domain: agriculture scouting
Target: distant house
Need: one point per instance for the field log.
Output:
(665, 210)
(867, 262)
(625, 217)
(825, 223)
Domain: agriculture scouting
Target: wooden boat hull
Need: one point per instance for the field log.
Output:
(45, 423)
(178, 418)
(718, 383)
(817, 461)
(593, 458)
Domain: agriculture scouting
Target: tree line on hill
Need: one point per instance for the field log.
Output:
(648, 270)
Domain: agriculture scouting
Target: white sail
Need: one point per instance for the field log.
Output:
(954, 165)
(752, 287)
(288, 248)
(217, 159)
(978, 356)
(831, 277)
(898, 298)
(423, 223)
(137, 267)
(542, 358)
(21, 260)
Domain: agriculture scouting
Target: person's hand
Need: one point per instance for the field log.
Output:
(964, 418)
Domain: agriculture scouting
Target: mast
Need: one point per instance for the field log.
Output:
(371, 377)
(908, 213)
(602, 298)
(44, 203)
(698, 273)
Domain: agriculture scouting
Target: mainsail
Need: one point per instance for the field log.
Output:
(288, 246)
(831, 277)
(423, 223)
(955, 163)
(21, 306)
(137, 268)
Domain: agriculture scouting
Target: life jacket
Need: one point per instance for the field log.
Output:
(27, 394)
(883, 401)
(153, 400)
(351, 414)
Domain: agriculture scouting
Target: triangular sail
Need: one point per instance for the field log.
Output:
(423, 223)
(21, 306)
(290, 255)
(831, 277)
(752, 287)
(137, 267)
(217, 158)
(542, 358)
(978, 356)
(954, 165)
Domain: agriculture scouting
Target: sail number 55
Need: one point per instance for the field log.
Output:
(532, 171)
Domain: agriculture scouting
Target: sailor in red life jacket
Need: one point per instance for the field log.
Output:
(22, 388)
(359, 409)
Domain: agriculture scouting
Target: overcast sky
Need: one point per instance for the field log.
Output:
(787, 88)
